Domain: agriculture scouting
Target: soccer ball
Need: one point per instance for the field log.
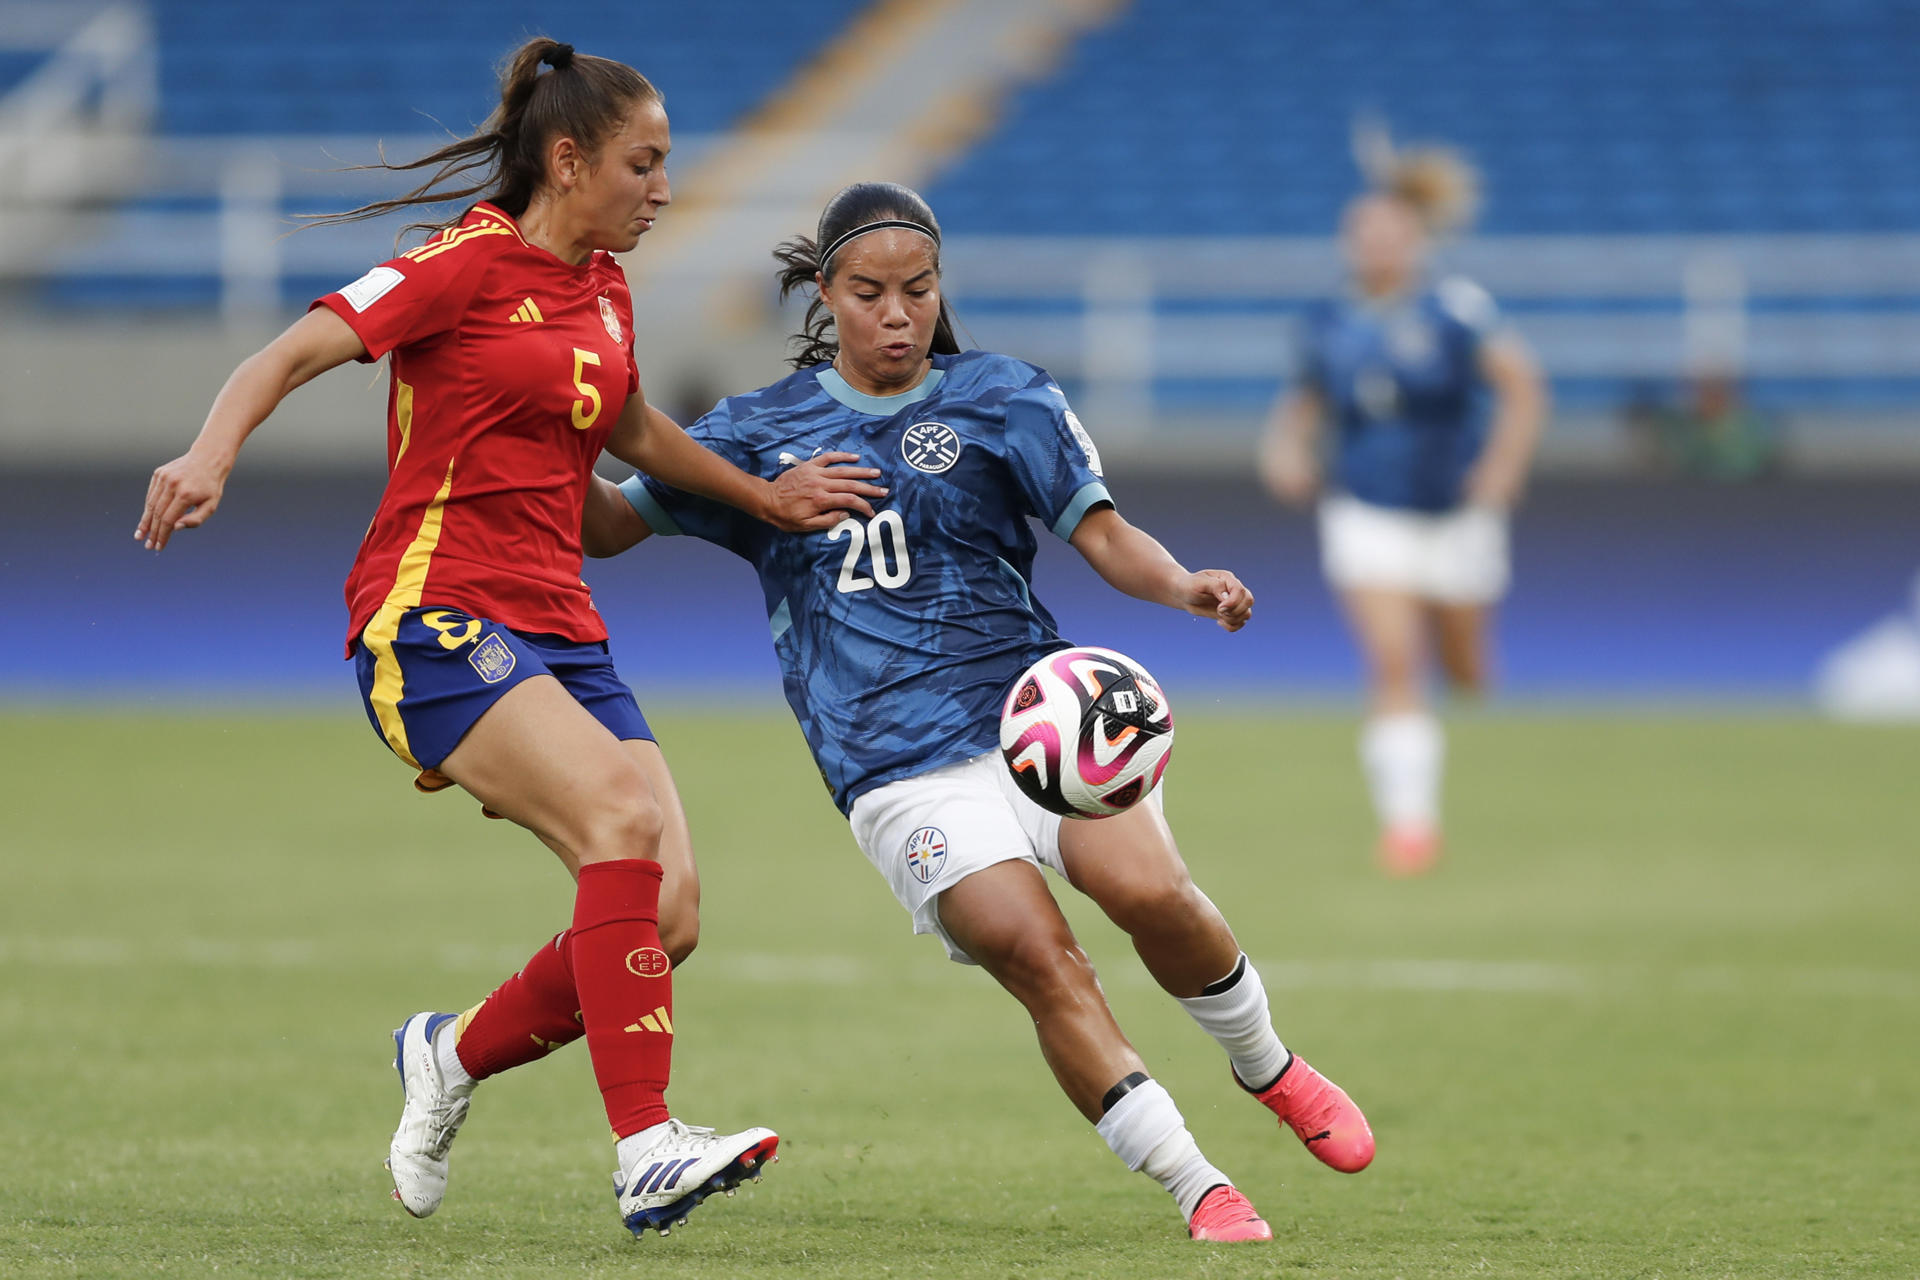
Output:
(1086, 732)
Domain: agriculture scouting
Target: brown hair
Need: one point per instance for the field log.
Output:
(860, 205)
(1437, 183)
(583, 97)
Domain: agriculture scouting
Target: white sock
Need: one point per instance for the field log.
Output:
(1177, 1165)
(1237, 1016)
(1148, 1133)
(628, 1150)
(1403, 754)
(453, 1072)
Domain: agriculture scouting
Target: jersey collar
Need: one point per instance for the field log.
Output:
(882, 406)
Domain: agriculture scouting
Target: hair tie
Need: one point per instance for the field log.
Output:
(881, 225)
(560, 57)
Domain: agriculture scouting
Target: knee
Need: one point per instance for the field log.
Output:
(1045, 972)
(1151, 905)
(623, 821)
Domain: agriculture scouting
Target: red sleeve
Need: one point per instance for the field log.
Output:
(408, 299)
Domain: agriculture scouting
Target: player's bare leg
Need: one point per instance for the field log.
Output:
(1461, 637)
(680, 886)
(1130, 865)
(1401, 748)
(1006, 920)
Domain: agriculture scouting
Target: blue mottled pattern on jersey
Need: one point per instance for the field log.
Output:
(897, 644)
(1403, 387)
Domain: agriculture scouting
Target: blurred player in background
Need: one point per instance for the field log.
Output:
(481, 659)
(1435, 409)
(899, 637)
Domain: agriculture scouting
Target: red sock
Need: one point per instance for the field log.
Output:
(529, 1016)
(625, 986)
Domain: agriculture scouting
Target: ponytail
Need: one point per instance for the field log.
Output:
(1437, 183)
(582, 97)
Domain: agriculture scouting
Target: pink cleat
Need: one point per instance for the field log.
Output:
(1321, 1114)
(1409, 849)
(1224, 1214)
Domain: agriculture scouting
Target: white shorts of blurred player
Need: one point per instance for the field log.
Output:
(927, 833)
(1456, 557)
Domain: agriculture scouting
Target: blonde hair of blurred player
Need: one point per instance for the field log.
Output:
(1416, 197)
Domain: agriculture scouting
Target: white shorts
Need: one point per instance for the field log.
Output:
(927, 833)
(1455, 557)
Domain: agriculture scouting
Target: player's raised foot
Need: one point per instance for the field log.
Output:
(1321, 1114)
(684, 1165)
(429, 1119)
(1224, 1214)
(1409, 849)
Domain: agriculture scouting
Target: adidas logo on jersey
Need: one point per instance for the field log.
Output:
(658, 1020)
(528, 312)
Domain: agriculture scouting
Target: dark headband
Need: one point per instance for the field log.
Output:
(882, 225)
(560, 57)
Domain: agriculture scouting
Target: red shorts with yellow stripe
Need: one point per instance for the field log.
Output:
(426, 681)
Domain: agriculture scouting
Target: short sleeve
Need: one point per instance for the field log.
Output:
(670, 512)
(1053, 458)
(1470, 307)
(408, 299)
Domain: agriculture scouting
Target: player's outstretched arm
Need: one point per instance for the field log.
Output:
(1133, 561)
(608, 522)
(803, 498)
(184, 492)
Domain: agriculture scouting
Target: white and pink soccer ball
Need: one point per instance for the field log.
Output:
(1086, 732)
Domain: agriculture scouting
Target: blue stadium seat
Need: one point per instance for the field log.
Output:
(360, 67)
(1586, 117)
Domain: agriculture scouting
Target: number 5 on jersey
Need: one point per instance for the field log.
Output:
(583, 416)
(886, 537)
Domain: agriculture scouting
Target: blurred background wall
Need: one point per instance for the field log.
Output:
(1705, 218)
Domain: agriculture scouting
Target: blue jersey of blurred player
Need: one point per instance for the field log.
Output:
(899, 636)
(1435, 409)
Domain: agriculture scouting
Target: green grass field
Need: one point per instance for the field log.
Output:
(1659, 1015)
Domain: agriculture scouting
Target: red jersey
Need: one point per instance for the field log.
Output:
(510, 368)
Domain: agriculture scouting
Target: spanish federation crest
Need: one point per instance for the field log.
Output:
(492, 659)
(931, 447)
(612, 321)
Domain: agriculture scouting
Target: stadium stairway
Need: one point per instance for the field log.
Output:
(840, 120)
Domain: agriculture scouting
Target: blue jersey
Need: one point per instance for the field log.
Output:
(899, 636)
(1402, 384)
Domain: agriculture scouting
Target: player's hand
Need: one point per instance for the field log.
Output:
(1217, 594)
(181, 495)
(1494, 488)
(818, 493)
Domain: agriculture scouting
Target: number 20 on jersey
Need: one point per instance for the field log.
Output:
(884, 540)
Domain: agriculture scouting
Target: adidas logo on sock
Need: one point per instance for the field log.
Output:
(658, 1020)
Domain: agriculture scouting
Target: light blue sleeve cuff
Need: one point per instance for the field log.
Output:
(635, 490)
(1090, 496)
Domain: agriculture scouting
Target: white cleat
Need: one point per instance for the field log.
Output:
(431, 1117)
(684, 1166)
